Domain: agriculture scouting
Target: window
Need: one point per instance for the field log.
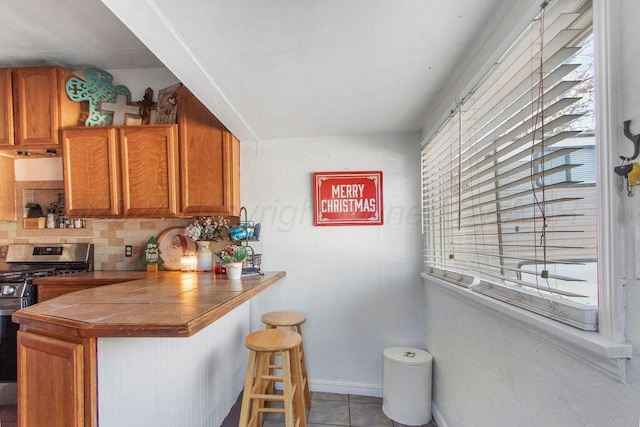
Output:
(509, 185)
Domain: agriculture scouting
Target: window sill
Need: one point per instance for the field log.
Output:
(597, 351)
(579, 316)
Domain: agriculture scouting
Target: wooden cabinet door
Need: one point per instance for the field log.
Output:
(35, 106)
(41, 106)
(7, 189)
(209, 161)
(149, 160)
(91, 172)
(58, 401)
(6, 108)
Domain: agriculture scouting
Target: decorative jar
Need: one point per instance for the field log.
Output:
(204, 255)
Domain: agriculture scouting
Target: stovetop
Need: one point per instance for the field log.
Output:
(31, 261)
(23, 274)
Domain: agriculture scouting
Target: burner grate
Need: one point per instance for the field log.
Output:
(25, 275)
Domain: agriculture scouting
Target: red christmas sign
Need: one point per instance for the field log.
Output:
(347, 198)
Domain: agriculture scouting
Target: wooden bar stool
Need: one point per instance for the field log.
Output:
(293, 321)
(261, 374)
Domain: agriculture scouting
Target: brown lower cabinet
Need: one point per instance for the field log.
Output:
(68, 362)
(70, 365)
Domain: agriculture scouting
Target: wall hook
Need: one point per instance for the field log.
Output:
(634, 138)
(629, 169)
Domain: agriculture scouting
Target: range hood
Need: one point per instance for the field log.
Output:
(32, 153)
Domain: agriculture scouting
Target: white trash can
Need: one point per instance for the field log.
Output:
(406, 385)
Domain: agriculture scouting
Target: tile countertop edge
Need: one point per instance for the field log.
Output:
(57, 324)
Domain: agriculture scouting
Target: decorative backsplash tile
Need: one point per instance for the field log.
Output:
(109, 236)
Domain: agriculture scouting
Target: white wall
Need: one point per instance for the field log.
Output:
(137, 80)
(488, 372)
(358, 285)
(39, 169)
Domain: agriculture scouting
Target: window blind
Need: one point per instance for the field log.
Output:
(508, 180)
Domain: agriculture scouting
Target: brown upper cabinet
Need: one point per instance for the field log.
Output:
(188, 169)
(149, 162)
(125, 170)
(6, 108)
(34, 106)
(91, 171)
(7, 189)
(209, 161)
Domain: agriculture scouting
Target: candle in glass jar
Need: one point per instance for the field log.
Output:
(187, 263)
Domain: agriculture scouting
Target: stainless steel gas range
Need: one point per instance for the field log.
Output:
(26, 263)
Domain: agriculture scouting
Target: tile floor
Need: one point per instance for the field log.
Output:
(329, 410)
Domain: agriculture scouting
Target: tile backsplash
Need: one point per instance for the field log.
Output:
(110, 236)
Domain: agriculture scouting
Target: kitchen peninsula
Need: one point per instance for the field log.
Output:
(165, 350)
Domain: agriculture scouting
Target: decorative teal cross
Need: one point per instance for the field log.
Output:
(96, 89)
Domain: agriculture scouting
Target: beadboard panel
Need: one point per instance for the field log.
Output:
(173, 381)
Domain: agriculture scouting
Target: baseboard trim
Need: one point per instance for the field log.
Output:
(373, 390)
(437, 416)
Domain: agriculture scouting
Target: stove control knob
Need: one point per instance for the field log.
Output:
(8, 290)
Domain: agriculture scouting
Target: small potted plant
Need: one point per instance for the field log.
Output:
(232, 258)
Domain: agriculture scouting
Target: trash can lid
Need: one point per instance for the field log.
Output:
(407, 355)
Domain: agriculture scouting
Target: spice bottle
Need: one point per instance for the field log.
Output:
(51, 219)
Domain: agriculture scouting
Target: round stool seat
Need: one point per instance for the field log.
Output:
(283, 318)
(272, 340)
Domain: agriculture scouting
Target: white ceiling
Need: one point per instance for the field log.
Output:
(76, 34)
(273, 68)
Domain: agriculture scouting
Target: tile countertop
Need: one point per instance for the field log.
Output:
(163, 304)
(99, 277)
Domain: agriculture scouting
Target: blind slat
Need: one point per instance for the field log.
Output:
(519, 98)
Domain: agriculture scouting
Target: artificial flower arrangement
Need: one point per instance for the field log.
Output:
(232, 254)
(207, 228)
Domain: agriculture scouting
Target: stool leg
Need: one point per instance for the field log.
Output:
(297, 379)
(261, 384)
(248, 386)
(305, 378)
(287, 389)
